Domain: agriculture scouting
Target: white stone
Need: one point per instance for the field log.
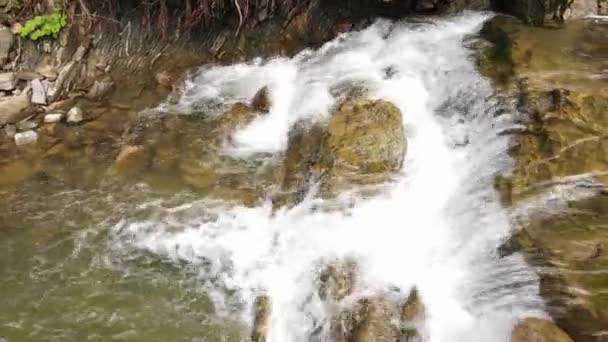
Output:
(75, 115)
(53, 118)
(25, 138)
(38, 92)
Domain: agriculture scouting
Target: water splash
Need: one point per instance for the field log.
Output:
(437, 227)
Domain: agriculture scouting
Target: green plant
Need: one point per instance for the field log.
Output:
(44, 26)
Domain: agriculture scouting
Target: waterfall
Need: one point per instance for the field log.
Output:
(436, 227)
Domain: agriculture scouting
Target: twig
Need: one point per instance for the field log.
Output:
(238, 10)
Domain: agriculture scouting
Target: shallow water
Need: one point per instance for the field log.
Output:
(149, 259)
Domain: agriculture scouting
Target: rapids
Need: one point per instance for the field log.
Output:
(436, 227)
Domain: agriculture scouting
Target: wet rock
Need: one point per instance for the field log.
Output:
(365, 143)
(300, 163)
(371, 319)
(412, 315)
(26, 138)
(7, 81)
(413, 309)
(198, 174)
(12, 107)
(261, 100)
(165, 80)
(100, 89)
(262, 311)
(238, 116)
(75, 115)
(6, 42)
(53, 118)
(26, 125)
(538, 330)
(38, 92)
(337, 280)
(48, 71)
(131, 159)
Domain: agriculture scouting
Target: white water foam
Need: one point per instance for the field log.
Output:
(436, 228)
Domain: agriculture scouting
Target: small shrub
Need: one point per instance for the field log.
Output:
(44, 26)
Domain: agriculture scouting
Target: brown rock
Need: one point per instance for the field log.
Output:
(365, 143)
(538, 330)
(238, 116)
(300, 163)
(337, 280)
(261, 100)
(263, 308)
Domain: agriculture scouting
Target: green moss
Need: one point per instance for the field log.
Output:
(44, 26)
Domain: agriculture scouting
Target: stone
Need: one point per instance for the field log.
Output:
(53, 118)
(413, 309)
(6, 43)
(371, 319)
(538, 330)
(48, 71)
(365, 143)
(16, 27)
(337, 280)
(38, 92)
(165, 79)
(299, 167)
(25, 138)
(7, 81)
(100, 89)
(262, 311)
(75, 115)
(26, 125)
(12, 107)
(261, 100)
(238, 116)
(10, 130)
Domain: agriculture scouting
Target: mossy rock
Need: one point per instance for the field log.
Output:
(364, 144)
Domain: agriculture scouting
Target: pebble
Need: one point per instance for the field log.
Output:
(75, 115)
(25, 138)
(53, 118)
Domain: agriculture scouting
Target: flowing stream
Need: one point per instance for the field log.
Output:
(122, 260)
(437, 227)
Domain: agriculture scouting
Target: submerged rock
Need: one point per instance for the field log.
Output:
(262, 311)
(131, 159)
(238, 116)
(365, 143)
(538, 330)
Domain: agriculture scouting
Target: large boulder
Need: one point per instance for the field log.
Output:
(365, 143)
(538, 330)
